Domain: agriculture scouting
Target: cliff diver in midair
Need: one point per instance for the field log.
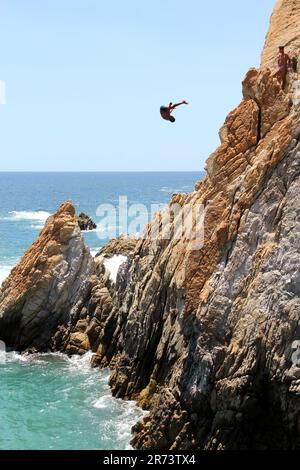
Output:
(166, 111)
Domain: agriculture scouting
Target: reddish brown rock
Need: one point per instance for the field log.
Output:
(43, 291)
(274, 104)
(284, 30)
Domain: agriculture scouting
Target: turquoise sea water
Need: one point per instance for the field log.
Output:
(52, 401)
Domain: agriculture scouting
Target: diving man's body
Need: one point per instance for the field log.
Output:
(165, 111)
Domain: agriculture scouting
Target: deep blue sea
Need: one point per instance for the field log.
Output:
(51, 401)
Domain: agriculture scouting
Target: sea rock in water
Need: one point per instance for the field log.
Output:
(44, 290)
(85, 222)
(58, 296)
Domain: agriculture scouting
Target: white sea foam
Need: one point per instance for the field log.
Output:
(166, 189)
(37, 226)
(80, 363)
(16, 357)
(103, 402)
(39, 216)
(95, 252)
(113, 418)
(4, 272)
(113, 265)
(127, 415)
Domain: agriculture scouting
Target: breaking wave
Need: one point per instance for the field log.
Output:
(39, 216)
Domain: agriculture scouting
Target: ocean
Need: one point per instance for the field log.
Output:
(50, 401)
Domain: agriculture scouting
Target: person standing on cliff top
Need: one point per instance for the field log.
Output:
(165, 111)
(284, 62)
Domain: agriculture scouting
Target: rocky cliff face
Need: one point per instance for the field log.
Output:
(200, 336)
(203, 338)
(284, 31)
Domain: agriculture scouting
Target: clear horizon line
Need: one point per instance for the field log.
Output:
(102, 171)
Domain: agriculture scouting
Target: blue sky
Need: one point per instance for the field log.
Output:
(85, 80)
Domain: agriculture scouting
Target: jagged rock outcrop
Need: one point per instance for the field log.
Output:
(58, 297)
(85, 222)
(48, 285)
